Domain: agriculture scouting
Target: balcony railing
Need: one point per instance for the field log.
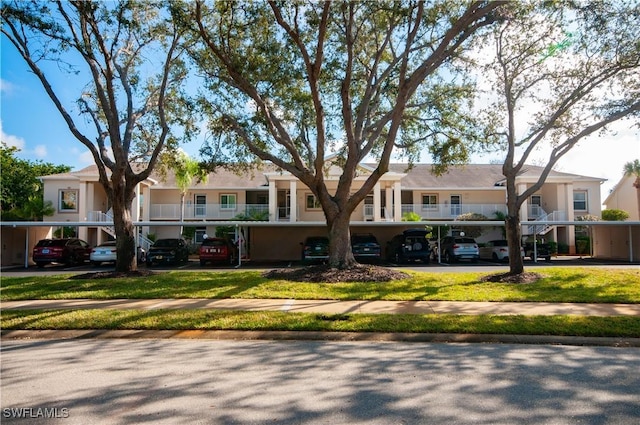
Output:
(451, 211)
(207, 211)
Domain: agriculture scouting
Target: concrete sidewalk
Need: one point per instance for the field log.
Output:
(339, 307)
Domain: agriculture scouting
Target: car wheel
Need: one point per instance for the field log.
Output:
(41, 265)
(547, 258)
(71, 260)
(494, 257)
(202, 263)
(95, 263)
(447, 257)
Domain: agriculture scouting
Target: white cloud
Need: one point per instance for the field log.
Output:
(86, 158)
(11, 140)
(40, 151)
(6, 87)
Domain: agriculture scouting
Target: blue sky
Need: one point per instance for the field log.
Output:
(29, 120)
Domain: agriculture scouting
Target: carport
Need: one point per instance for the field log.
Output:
(615, 240)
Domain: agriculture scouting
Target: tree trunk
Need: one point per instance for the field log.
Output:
(125, 242)
(340, 253)
(514, 238)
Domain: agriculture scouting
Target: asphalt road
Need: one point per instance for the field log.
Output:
(315, 382)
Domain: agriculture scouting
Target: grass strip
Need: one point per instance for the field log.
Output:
(559, 284)
(622, 326)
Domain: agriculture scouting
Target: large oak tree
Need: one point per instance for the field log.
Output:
(291, 82)
(129, 53)
(561, 72)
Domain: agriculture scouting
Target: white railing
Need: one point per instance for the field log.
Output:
(448, 211)
(541, 227)
(205, 211)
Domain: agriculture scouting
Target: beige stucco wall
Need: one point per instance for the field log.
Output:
(624, 197)
(14, 241)
(612, 242)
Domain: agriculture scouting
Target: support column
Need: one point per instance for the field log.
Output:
(388, 196)
(377, 203)
(273, 201)
(83, 203)
(397, 201)
(293, 200)
(571, 230)
(524, 209)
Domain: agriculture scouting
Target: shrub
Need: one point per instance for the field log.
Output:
(615, 215)
(411, 216)
(472, 231)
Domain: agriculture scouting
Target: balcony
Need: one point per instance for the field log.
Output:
(451, 211)
(208, 211)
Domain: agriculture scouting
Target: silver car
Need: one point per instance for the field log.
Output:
(497, 250)
(103, 253)
(454, 248)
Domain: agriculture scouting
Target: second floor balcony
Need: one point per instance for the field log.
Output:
(209, 211)
(451, 211)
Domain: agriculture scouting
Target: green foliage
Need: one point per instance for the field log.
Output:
(583, 245)
(411, 216)
(21, 189)
(472, 231)
(66, 232)
(189, 232)
(632, 168)
(614, 215)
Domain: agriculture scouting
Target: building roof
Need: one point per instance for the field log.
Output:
(419, 176)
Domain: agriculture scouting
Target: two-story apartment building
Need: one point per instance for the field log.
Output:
(288, 212)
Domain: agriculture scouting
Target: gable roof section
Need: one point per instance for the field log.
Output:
(420, 176)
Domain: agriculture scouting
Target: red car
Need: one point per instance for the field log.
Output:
(68, 251)
(218, 250)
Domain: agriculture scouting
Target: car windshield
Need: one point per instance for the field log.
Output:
(315, 241)
(500, 243)
(363, 239)
(464, 240)
(162, 243)
(52, 242)
(213, 242)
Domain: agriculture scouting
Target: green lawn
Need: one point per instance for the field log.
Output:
(557, 285)
(281, 321)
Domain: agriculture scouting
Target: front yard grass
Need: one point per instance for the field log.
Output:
(558, 284)
(280, 321)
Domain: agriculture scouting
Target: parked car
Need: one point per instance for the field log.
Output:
(218, 250)
(68, 251)
(454, 248)
(315, 248)
(103, 253)
(365, 246)
(173, 250)
(541, 250)
(497, 250)
(411, 245)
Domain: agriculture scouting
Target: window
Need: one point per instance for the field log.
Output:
(580, 201)
(429, 202)
(312, 202)
(68, 200)
(228, 201)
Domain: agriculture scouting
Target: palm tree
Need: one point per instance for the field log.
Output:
(186, 169)
(632, 169)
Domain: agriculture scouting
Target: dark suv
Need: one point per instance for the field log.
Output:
(411, 245)
(315, 248)
(218, 250)
(365, 246)
(168, 251)
(67, 250)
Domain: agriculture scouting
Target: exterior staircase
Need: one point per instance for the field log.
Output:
(107, 218)
(540, 226)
